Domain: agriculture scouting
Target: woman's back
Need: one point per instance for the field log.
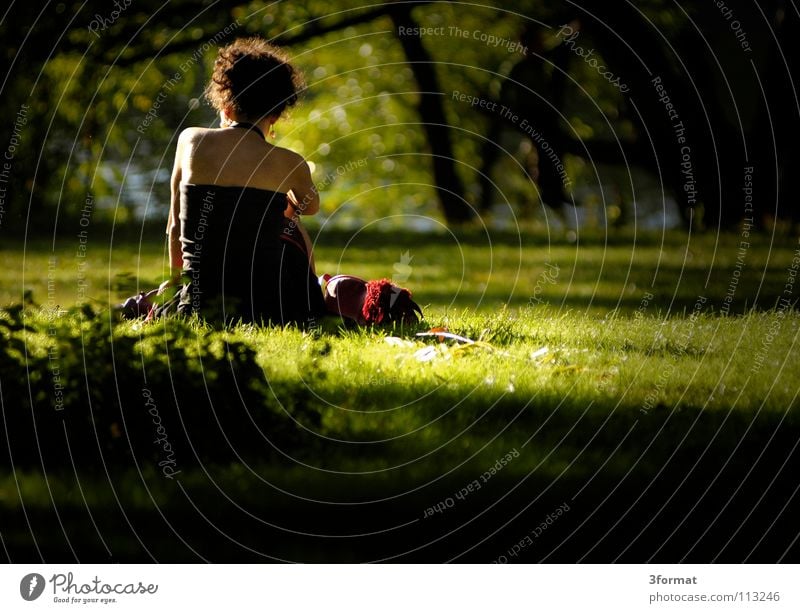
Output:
(236, 157)
(235, 235)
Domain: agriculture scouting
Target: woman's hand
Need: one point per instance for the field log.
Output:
(291, 211)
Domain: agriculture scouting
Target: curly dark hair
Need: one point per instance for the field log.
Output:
(255, 78)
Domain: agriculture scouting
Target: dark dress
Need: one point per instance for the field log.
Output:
(243, 260)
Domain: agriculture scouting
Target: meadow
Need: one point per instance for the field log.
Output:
(621, 399)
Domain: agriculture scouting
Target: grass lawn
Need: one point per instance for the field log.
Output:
(628, 398)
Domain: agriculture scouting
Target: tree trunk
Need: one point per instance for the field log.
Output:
(449, 187)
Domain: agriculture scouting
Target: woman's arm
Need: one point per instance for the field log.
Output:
(306, 197)
(291, 213)
(174, 222)
(302, 199)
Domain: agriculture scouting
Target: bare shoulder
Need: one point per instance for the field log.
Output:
(189, 135)
(290, 158)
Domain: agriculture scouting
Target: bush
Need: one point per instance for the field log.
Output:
(91, 390)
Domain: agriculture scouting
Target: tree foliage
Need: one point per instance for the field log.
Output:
(104, 92)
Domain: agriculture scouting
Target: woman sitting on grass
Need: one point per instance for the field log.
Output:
(235, 238)
(235, 235)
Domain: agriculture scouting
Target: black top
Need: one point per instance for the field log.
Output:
(242, 259)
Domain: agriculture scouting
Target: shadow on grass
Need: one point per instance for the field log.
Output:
(665, 486)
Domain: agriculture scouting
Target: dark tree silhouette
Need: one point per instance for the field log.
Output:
(449, 187)
(739, 108)
(130, 45)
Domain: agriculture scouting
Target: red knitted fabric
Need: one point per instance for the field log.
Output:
(377, 301)
(385, 302)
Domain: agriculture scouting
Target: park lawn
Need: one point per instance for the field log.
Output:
(667, 430)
